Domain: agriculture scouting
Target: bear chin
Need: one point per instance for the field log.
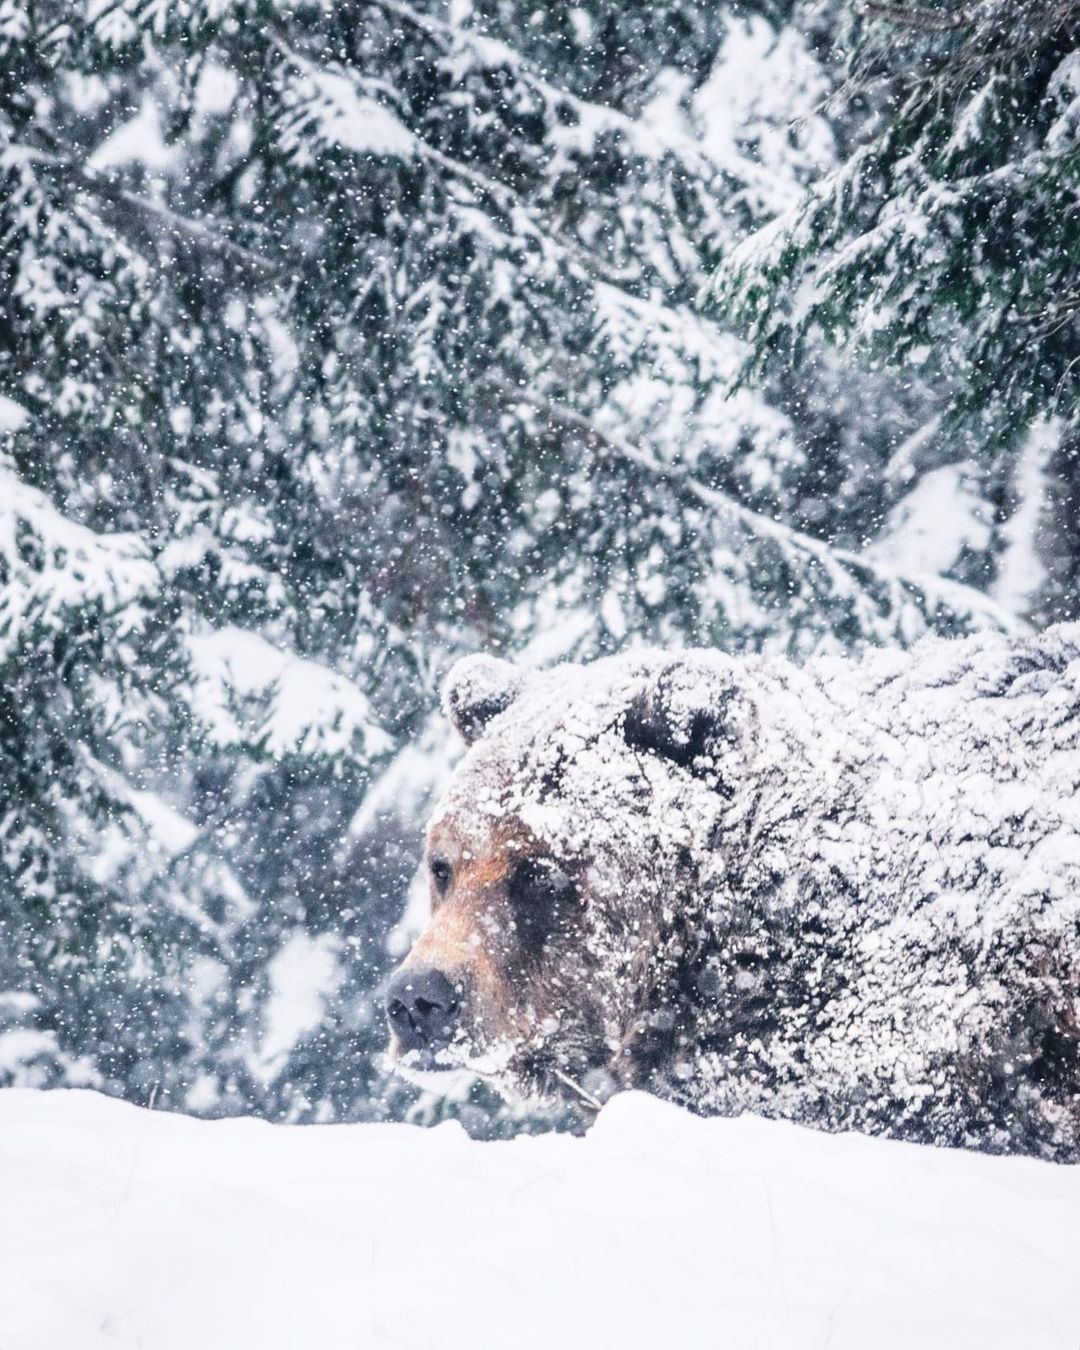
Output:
(445, 1080)
(446, 1071)
(517, 1078)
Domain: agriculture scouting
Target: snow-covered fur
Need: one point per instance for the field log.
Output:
(847, 894)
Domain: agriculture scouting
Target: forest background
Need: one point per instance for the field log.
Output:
(339, 339)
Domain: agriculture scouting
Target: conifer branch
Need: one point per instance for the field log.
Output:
(120, 202)
(503, 197)
(915, 18)
(452, 39)
(841, 566)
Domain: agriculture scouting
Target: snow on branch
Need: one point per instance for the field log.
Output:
(147, 846)
(328, 102)
(53, 568)
(248, 694)
(121, 207)
(336, 105)
(469, 51)
(846, 574)
(915, 18)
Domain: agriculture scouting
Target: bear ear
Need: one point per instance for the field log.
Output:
(478, 688)
(689, 710)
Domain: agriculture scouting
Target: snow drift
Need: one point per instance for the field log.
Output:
(125, 1227)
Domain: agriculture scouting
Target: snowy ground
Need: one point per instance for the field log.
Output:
(124, 1227)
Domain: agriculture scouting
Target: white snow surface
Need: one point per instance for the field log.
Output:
(140, 140)
(126, 1227)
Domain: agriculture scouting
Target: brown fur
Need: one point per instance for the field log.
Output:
(464, 938)
(847, 895)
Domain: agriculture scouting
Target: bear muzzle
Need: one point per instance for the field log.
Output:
(423, 1008)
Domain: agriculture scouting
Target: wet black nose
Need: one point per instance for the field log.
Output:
(422, 1006)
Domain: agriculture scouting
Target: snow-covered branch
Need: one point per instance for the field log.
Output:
(846, 572)
(914, 18)
(120, 206)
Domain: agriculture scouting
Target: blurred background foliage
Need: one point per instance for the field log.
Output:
(341, 337)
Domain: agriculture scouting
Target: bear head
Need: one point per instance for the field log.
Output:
(565, 868)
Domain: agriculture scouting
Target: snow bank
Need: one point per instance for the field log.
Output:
(125, 1227)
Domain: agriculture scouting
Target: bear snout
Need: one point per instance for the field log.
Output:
(422, 1007)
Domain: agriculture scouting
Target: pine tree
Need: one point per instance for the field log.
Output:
(945, 244)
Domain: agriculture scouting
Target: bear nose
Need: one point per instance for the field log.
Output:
(422, 1008)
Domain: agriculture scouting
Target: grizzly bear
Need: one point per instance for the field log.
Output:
(847, 893)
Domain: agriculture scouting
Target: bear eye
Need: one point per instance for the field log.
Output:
(441, 872)
(543, 900)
